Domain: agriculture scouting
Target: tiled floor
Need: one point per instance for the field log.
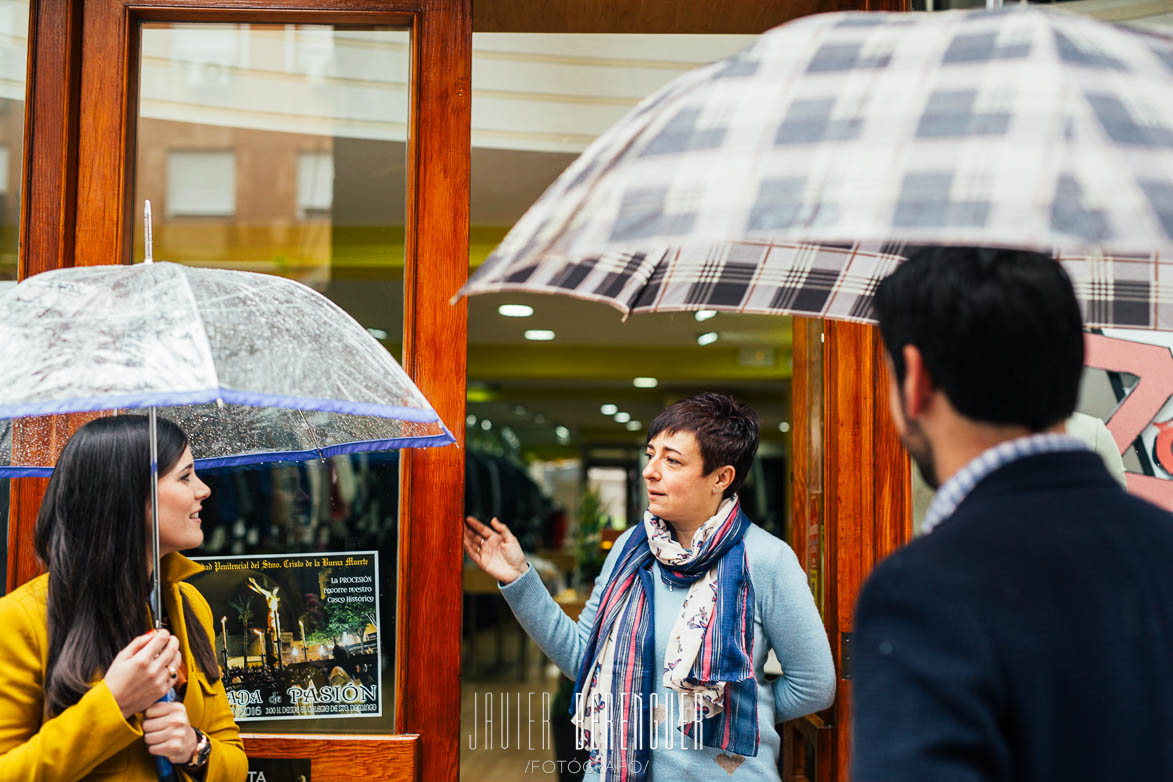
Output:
(502, 687)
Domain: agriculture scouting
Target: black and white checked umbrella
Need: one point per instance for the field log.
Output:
(788, 178)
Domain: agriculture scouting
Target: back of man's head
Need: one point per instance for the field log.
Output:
(999, 330)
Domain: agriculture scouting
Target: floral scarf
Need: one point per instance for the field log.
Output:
(709, 659)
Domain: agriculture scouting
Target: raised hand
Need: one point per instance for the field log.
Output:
(495, 549)
(144, 670)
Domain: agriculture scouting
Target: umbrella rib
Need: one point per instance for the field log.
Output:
(203, 329)
(319, 446)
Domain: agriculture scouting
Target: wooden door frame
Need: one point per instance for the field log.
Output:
(866, 512)
(76, 216)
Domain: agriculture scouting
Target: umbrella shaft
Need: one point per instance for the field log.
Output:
(156, 592)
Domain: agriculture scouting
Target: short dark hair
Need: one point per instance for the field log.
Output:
(725, 429)
(1000, 331)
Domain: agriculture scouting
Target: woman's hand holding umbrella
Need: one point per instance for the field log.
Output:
(139, 676)
(495, 549)
(144, 671)
(168, 733)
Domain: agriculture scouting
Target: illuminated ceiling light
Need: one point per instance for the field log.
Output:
(708, 338)
(539, 335)
(561, 432)
(486, 424)
(622, 417)
(645, 382)
(471, 420)
(377, 333)
(703, 315)
(609, 409)
(515, 310)
(519, 410)
(634, 426)
(539, 418)
(479, 392)
(784, 427)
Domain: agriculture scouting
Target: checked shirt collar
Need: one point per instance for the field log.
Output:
(957, 488)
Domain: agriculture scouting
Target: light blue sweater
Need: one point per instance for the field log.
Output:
(785, 619)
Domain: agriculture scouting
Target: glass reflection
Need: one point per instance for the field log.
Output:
(14, 23)
(281, 149)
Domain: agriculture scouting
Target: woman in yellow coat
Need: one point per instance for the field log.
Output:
(79, 680)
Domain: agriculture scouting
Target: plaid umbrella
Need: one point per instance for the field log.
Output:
(788, 178)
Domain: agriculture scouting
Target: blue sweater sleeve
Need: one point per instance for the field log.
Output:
(795, 631)
(561, 638)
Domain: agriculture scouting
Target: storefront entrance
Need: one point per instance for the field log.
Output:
(330, 142)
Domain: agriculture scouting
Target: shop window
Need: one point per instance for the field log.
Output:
(14, 25)
(315, 184)
(310, 50)
(209, 54)
(201, 183)
(291, 175)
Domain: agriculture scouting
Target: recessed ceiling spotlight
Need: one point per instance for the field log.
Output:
(539, 335)
(622, 417)
(784, 427)
(708, 338)
(645, 382)
(519, 410)
(539, 418)
(470, 420)
(486, 424)
(377, 333)
(703, 315)
(609, 409)
(634, 426)
(515, 310)
(561, 432)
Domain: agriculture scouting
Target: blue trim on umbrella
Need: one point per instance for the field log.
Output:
(25, 472)
(230, 396)
(255, 458)
(428, 441)
(277, 456)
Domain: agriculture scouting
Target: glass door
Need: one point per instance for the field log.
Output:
(281, 149)
(325, 142)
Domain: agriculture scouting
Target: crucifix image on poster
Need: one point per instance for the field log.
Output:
(274, 618)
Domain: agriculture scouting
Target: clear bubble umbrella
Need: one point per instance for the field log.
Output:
(255, 368)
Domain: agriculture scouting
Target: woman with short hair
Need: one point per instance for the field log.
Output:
(668, 654)
(81, 674)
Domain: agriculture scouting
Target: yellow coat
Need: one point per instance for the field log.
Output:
(90, 739)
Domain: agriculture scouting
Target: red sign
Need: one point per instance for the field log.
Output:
(1153, 365)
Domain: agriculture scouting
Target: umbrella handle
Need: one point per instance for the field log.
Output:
(166, 772)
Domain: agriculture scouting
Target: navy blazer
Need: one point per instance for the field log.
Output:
(1028, 637)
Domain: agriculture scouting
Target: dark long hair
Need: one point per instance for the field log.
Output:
(91, 538)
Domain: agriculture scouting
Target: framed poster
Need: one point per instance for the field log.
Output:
(297, 635)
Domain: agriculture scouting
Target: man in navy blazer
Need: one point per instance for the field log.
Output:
(1028, 635)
